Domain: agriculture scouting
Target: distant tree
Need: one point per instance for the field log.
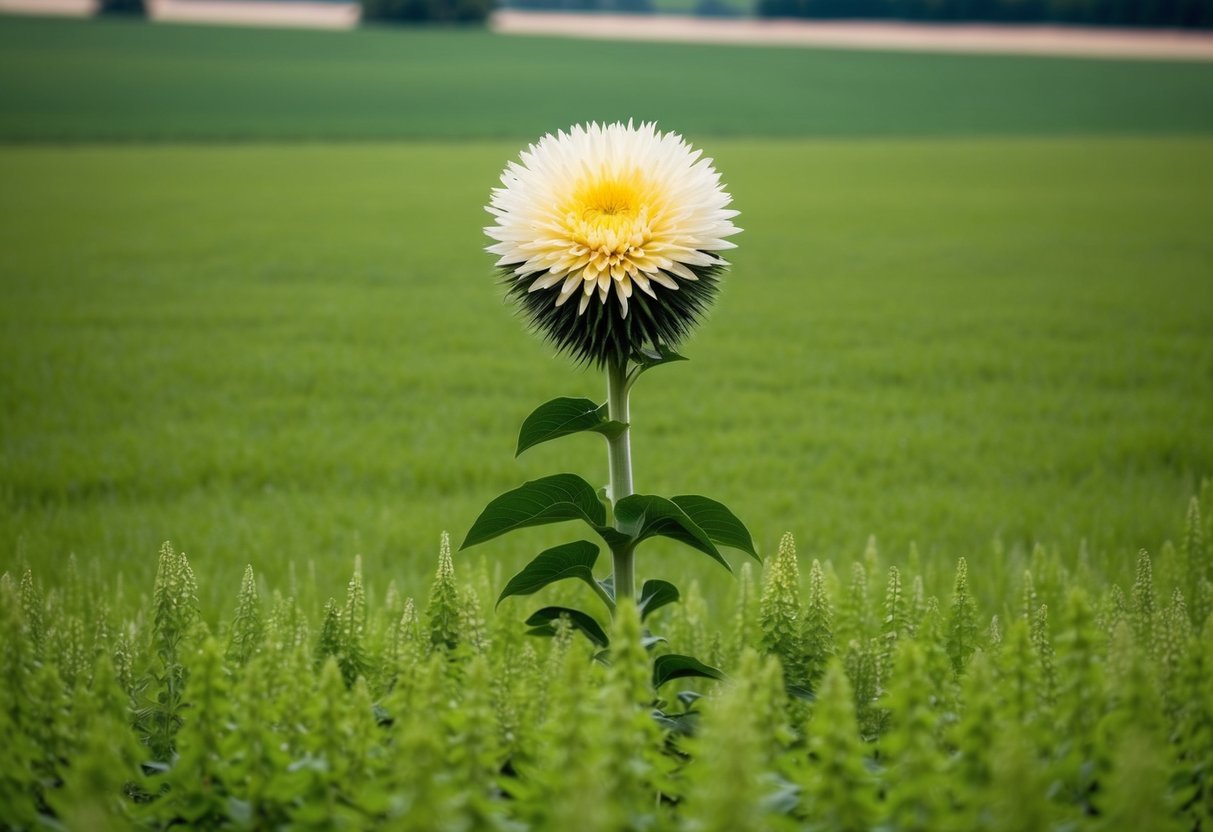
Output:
(1169, 13)
(781, 8)
(634, 6)
(426, 11)
(717, 8)
(134, 8)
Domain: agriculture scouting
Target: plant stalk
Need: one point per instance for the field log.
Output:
(619, 456)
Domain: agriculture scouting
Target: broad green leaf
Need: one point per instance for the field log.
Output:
(548, 500)
(670, 667)
(720, 524)
(645, 515)
(654, 595)
(569, 560)
(543, 619)
(565, 416)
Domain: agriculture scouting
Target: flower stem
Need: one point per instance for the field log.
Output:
(619, 455)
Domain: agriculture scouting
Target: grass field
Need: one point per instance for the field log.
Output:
(297, 351)
(114, 80)
(971, 312)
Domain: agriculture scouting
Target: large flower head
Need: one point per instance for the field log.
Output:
(608, 236)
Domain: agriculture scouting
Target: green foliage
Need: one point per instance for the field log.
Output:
(1080, 760)
(973, 737)
(781, 617)
(917, 788)
(174, 618)
(839, 791)
(1143, 601)
(343, 634)
(562, 417)
(962, 620)
(896, 623)
(818, 634)
(855, 616)
(198, 791)
(622, 518)
(451, 722)
(546, 500)
(729, 783)
(671, 666)
(642, 516)
(246, 627)
(1196, 558)
(105, 756)
(443, 609)
(543, 622)
(654, 595)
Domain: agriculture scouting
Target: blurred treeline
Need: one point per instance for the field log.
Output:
(1168, 13)
(1159, 13)
(1187, 14)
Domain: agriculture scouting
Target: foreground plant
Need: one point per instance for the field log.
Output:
(608, 239)
(124, 709)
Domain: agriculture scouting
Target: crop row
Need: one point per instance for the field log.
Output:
(1082, 705)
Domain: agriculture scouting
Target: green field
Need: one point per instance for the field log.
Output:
(298, 351)
(245, 307)
(114, 80)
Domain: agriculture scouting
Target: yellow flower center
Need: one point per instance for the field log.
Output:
(608, 220)
(608, 198)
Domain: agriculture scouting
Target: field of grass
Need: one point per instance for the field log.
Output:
(296, 351)
(117, 80)
(280, 352)
(245, 308)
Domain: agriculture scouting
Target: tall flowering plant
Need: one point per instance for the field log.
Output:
(609, 238)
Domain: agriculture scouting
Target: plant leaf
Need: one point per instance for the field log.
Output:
(614, 538)
(720, 524)
(688, 698)
(646, 358)
(683, 723)
(538, 502)
(649, 642)
(645, 515)
(669, 667)
(654, 595)
(569, 560)
(799, 692)
(608, 586)
(565, 416)
(542, 620)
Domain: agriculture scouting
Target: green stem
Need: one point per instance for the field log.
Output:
(619, 455)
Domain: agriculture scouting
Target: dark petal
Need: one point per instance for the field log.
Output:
(600, 335)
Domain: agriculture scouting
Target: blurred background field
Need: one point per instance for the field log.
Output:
(246, 306)
(115, 80)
